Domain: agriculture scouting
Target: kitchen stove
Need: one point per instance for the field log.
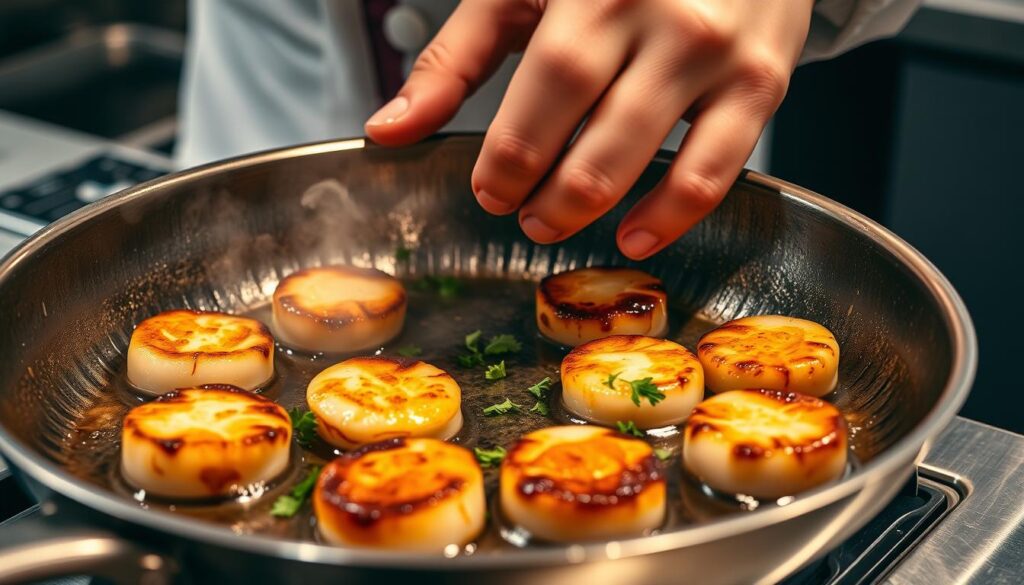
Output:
(959, 519)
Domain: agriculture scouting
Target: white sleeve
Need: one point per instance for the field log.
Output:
(840, 25)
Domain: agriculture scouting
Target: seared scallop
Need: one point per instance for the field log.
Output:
(204, 442)
(369, 399)
(578, 483)
(338, 309)
(765, 443)
(581, 305)
(770, 351)
(183, 349)
(406, 494)
(604, 381)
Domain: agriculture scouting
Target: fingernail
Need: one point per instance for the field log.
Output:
(638, 243)
(538, 231)
(493, 205)
(390, 113)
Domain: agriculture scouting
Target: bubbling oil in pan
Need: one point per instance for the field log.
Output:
(438, 326)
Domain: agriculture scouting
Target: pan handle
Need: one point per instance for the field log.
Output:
(35, 545)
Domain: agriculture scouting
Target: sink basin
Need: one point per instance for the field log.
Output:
(117, 81)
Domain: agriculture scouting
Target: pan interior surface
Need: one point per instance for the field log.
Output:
(220, 238)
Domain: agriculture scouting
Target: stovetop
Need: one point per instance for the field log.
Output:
(874, 550)
(958, 519)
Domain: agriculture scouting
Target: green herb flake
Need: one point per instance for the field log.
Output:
(410, 351)
(304, 426)
(645, 388)
(541, 408)
(469, 360)
(662, 454)
(540, 389)
(610, 382)
(496, 371)
(629, 428)
(502, 344)
(502, 408)
(402, 254)
(472, 339)
(448, 287)
(445, 286)
(288, 505)
(489, 457)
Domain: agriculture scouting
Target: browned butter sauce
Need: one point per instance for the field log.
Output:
(438, 326)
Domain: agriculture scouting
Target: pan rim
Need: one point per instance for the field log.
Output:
(952, 397)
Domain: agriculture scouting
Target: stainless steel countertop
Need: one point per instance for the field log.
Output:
(982, 539)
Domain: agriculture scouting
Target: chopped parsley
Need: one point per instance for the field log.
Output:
(610, 382)
(410, 351)
(472, 339)
(504, 343)
(540, 389)
(645, 389)
(402, 254)
(474, 357)
(469, 360)
(629, 428)
(489, 457)
(496, 371)
(445, 286)
(498, 345)
(662, 454)
(304, 425)
(288, 505)
(502, 408)
(639, 389)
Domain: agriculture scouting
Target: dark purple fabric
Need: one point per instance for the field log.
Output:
(387, 60)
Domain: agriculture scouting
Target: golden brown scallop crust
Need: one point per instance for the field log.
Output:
(135, 422)
(387, 387)
(383, 480)
(288, 296)
(171, 334)
(717, 416)
(256, 421)
(607, 471)
(664, 357)
(776, 355)
(562, 293)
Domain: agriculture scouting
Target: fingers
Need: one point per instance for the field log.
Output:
(568, 64)
(710, 158)
(469, 47)
(622, 135)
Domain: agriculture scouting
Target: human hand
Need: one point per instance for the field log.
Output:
(632, 69)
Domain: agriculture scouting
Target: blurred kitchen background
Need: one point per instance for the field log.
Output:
(922, 133)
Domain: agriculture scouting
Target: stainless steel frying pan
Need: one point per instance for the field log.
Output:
(221, 236)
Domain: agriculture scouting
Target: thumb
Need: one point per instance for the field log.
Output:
(469, 47)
